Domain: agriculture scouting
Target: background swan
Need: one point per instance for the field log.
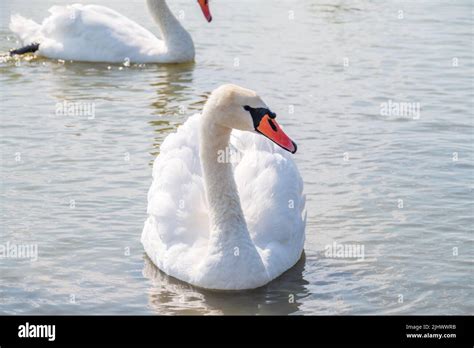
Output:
(99, 34)
(223, 224)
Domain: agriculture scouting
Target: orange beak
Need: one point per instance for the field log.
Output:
(205, 9)
(271, 129)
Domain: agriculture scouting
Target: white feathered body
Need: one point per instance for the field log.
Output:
(177, 237)
(99, 34)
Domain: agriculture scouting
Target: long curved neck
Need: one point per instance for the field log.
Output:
(226, 216)
(170, 28)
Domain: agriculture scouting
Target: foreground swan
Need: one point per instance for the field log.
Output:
(223, 222)
(98, 34)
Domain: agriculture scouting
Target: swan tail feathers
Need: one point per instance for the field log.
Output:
(26, 29)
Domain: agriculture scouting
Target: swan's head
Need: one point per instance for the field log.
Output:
(205, 9)
(242, 109)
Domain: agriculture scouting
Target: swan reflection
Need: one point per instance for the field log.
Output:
(168, 295)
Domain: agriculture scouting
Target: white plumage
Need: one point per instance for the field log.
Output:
(99, 34)
(178, 234)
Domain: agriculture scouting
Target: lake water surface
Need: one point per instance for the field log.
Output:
(397, 183)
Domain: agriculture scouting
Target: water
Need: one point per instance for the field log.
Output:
(400, 186)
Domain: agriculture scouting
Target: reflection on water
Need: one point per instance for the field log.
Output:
(172, 296)
(172, 81)
(170, 104)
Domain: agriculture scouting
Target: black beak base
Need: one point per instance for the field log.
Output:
(258, 113)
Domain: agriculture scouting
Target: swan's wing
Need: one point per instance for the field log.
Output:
(271, 193)
(96, 33)
(177, 227)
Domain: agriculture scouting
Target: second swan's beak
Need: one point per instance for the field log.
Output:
(265, 123)
(205, 9)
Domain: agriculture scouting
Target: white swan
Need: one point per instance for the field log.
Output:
(223, 224)
(98, 34)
